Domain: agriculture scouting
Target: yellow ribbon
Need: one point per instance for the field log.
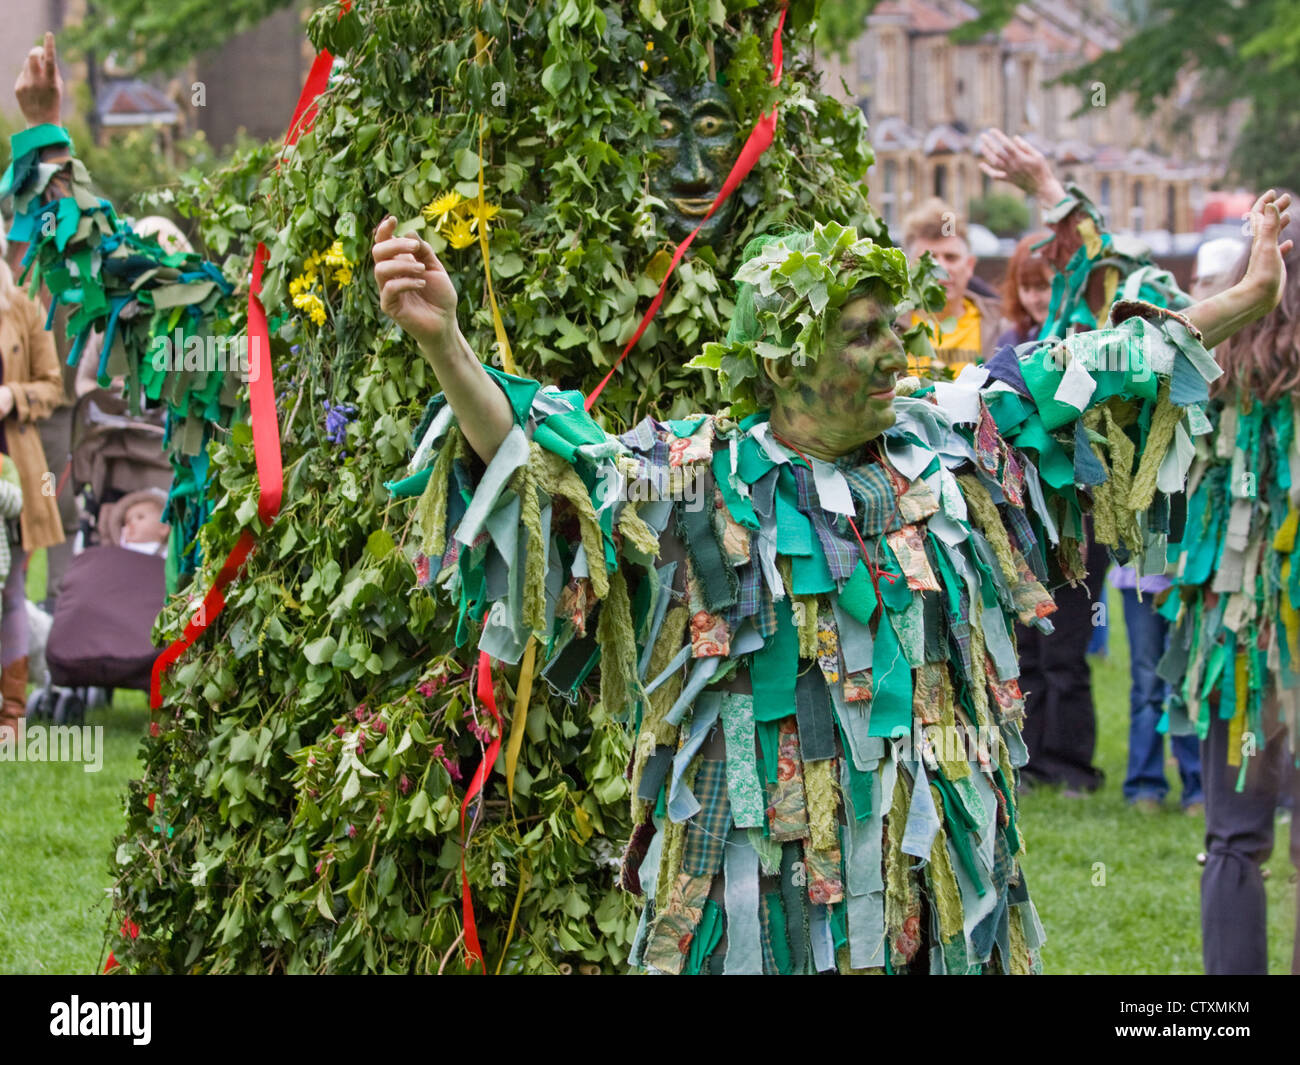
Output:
(503, 342)
(522, 694)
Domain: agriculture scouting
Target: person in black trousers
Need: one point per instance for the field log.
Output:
(1060, 728)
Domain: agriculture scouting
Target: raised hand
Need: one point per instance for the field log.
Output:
(1015, 160)
(415, 291)
(414, 287)
(1266, 270)
(1259, 291)
(39, 88)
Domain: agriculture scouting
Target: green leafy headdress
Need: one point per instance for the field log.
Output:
(792, 288)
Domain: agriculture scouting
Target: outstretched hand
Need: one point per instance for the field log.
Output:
(39, 88)
(414, 287)
(1259, 291)
(1015, 160)
(1266, 270)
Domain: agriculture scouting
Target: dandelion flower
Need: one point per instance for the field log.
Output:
(443, 206)
(461, 233)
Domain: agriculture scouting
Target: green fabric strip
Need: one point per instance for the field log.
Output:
(774, 667)
(891, 701)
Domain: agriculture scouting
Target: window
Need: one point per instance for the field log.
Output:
(889, 197)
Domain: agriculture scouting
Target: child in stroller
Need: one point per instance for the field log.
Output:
(114, 588)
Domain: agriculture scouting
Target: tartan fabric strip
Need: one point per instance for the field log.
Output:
(842, 554)
(871, 486)
(805, 488)
(1021, 531)
(706, 832)
(641, 437)
(749, 597)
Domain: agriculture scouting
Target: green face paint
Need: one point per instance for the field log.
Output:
(696, 148)
(849, 391)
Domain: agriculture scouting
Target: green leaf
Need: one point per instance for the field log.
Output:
(320, 650)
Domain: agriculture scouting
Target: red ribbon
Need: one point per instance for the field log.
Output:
(261, 403)
(486, 696)
(760, 139)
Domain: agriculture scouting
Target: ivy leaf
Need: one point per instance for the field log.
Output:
(321, 650)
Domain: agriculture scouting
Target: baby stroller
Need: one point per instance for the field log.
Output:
(99, 638)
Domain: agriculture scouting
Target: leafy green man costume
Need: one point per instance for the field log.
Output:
(817, 658)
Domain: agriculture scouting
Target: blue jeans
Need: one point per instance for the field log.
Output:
(1148, 633)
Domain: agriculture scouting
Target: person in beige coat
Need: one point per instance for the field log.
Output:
(31, 386)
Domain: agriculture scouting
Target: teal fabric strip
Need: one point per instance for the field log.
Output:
(739, 507)
(706, 939)
(794, 535)
(743, 786)
(741, 901)
(774, 668)
(858, 596)
(891, 701)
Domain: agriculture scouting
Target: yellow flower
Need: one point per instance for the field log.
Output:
(484, 212)
(334, 255)
(343, 275)
(442, 206)
(649, 46)
(312, 304)
(460, 234)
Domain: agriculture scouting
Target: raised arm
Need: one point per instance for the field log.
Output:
(417, 293)
(1259, 290)
(39, 92)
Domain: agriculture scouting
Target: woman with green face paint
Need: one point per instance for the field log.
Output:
(813, 655)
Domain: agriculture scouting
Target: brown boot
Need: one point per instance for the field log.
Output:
(13, 687)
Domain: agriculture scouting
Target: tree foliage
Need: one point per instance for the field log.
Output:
(309, 769)
(164, 37)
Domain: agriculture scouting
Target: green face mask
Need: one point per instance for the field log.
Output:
(697, 145)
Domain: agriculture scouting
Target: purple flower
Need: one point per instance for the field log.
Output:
(337, 418)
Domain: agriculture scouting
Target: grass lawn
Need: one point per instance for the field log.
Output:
(55, 850)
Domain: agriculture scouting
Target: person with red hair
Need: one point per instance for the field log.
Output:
(1027, 291)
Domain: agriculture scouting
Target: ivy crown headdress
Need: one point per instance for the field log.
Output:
(792, 288)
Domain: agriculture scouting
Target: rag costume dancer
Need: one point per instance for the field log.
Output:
(806, 615)
(1233, 661)
(160, 313)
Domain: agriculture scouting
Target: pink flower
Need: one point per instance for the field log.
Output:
(453, 769)
(319, 867)
(403, 785)
(381, 727)
(352, 831)
(311, 759)
(339, 730)
(361, 712)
